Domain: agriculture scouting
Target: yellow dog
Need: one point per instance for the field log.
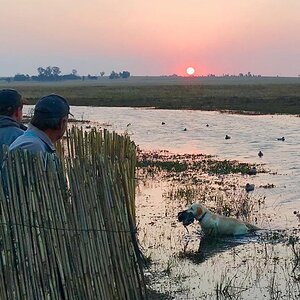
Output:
(214, 224)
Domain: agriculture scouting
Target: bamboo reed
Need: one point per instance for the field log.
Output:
(68, 229)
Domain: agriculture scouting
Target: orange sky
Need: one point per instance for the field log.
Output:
(151, 37)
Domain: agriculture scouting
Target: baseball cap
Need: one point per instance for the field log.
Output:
(52, 106)
(10, 99)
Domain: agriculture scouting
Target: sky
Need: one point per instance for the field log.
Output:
(151, 37)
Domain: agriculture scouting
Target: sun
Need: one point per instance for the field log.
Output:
(190, 70)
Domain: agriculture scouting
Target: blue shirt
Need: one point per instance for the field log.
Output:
(33, 140)
(9, 131)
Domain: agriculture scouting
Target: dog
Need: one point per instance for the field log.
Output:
(214, 224)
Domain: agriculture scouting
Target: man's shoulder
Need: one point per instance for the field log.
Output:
(9, 134)
(12, 129)
(31, 143)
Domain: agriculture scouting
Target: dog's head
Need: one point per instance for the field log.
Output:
(187, 217)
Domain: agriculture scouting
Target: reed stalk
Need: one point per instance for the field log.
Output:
(68, 226)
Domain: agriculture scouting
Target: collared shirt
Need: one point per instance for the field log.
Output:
(33, 140)
(10, 129)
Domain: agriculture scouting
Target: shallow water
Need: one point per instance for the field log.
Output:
(185, 272)
(249, 135)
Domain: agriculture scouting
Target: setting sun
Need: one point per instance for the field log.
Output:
(190, 70)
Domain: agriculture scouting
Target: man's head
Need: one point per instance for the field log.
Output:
(11, 104)
(51, 116)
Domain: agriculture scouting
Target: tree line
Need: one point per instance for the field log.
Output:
(54, 74)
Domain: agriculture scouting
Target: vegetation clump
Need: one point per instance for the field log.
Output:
(168, 166)
(188, 163)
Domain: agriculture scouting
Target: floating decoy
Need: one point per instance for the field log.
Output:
(281, 139)
(207, 125)
(184, 129)
(227, 137)
(163, 123)
(260, 154)
(249, 187)
(252, 171)
(128, 124)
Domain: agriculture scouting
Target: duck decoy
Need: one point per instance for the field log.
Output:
(227, 137)
(184, 129)
(163, 123)
(207, 125)
(249, 187)
(252, 171)
(281, 139)
(260, 154)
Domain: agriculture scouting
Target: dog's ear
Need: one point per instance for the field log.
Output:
(199, 211)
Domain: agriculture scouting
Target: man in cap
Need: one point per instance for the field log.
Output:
(11, 105)
(48, 124)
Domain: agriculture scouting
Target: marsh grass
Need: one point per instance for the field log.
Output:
(293, 242)
(262, 266)
(191, 164)
(243, 96)
(228, 288)
(200, 178)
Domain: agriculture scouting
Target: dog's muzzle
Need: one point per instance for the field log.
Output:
(186, 218)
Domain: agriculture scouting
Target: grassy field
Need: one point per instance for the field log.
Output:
(257, 94)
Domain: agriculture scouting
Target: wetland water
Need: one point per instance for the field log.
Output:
(254, 267)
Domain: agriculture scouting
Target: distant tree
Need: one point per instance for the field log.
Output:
(102, 74)
(41, 71)
(74, 72)
(21, 77)
(55, 71)
(241, 75)
(114, 75)
(125, 74)
(91, 77)
(48, 72)
(69, 77)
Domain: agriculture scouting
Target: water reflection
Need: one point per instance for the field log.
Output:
(211, 246)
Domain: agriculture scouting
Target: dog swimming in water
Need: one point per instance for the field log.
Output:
(214, 224)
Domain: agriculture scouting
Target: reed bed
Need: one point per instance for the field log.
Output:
(67, 228)
(250, 95)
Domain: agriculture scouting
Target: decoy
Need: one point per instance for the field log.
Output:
(227, 137)
(281, 139)
(252, 171)
(249, 187)
(163, 123)
(260, 154)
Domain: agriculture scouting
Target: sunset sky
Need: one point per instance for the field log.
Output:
(151, 37)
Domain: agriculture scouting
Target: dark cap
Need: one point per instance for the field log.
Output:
(52, 106)
(10, 99)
